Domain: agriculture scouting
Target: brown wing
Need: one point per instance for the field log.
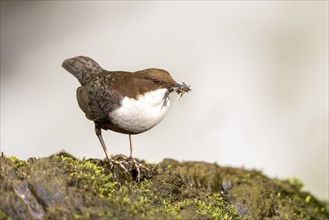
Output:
(97, 104)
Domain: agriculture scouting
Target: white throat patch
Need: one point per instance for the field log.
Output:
(142, 114)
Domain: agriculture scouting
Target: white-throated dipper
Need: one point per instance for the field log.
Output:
(125, 102)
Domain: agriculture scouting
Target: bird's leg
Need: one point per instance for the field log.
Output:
(109, 159)
(100, 138)
(131, 148)
(131, 158)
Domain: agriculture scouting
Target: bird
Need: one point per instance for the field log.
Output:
(124, 102)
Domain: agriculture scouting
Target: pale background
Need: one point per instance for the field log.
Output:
(259, 73)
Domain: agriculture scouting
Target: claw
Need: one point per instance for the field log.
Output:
(120, 164)
(129, 166)
(138, 166)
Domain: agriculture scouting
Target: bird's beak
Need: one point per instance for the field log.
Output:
(176, 87)
(180, 88)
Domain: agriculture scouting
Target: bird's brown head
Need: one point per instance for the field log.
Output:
(141, 82)
(153, 79)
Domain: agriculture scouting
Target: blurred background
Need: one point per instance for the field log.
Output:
(258, 70)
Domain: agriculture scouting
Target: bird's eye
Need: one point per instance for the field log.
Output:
(156, 81)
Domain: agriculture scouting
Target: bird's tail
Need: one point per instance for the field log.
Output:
(83, 68)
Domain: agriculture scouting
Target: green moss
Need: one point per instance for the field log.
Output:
(138, 200)
(3, 216)
(296, 182)
(215, 208)
(88, 175)
(17, 162)
(81, 216)
(65, 187)
(64, 154)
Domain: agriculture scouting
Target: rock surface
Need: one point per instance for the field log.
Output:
(63, 187)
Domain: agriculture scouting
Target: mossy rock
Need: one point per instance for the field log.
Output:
(63, 187)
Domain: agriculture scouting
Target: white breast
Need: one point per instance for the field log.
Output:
(142, 114)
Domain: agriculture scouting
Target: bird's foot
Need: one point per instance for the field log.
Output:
(130, 166)
(121, 164)
(137, 167)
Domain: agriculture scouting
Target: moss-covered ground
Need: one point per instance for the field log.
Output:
(63, 187)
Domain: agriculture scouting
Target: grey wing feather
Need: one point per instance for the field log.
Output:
(97, 105)
(89, 105)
